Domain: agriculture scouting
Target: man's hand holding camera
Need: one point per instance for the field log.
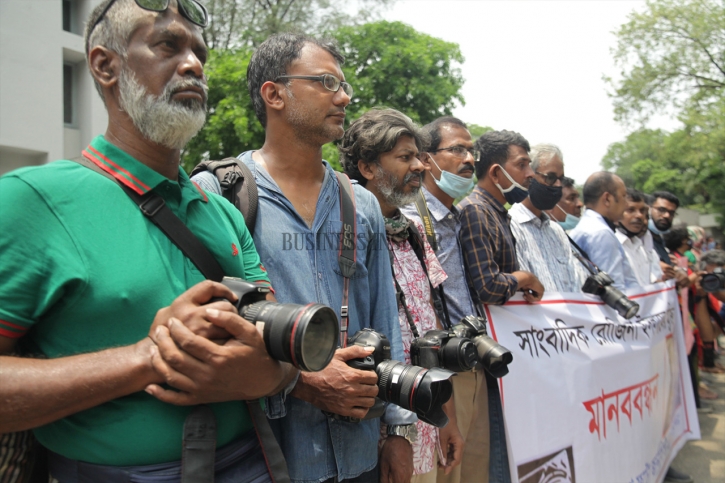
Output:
(339, 388)
(237, 368)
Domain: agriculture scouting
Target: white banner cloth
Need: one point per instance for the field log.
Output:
(592, 397)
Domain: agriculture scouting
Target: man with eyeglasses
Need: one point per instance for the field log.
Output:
(542, 247)
(662, 214)
(448, 154)
(299, 95)
(99, 300)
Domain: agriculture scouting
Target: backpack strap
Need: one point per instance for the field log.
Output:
(238, 185)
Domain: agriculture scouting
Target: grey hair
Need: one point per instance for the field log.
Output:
(544, 151)
(712, 257)
(374, 133)
(113, 31)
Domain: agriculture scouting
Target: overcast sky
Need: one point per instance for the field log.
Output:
(534, 67)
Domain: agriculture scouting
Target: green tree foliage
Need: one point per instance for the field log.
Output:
(672, 55)
(246, 23)
(476, 130)
(689, 162)
(388, 64)
(231, 125)
(391, 64)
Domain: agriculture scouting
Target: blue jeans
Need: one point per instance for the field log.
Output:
(238, 462)
(498, 471)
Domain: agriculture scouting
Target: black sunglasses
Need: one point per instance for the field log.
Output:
(194, 11)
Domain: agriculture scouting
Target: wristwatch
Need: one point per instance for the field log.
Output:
(407, 431)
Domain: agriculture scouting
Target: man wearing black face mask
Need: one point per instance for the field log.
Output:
(489, 255)
(542, 246)
(503, 169)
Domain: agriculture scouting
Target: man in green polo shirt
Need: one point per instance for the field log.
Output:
(86, 277)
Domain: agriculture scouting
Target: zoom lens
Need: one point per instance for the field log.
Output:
(494, 357)
(619, 302)
(423, 391)
(303, 335)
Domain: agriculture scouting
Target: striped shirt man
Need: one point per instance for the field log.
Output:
(543, 249)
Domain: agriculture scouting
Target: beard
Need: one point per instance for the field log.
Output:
(390, 187)
(158, 118)
(307, 128)
(662, 225)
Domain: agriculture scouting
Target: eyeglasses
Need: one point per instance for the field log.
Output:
(329, 81)
(663, 211)
(458, 151)
(550, 178)
(194, 11)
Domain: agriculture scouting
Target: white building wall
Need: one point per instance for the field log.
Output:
(33, 49)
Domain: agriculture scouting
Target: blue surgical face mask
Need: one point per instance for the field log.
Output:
(453, 185)
(569, 222)
(514, 193)
(651, 225)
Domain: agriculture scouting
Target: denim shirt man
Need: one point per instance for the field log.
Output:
(303, 267)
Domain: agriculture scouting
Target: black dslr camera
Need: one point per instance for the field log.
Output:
(423, 391)
(713, 282)
(460, 348)
(601, 284)
(303, 335)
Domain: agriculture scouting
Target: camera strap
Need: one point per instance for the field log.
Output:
(416, 243)
(477, 305)
(346, 254)
(199, 441)
(439, 299)
(582, 256)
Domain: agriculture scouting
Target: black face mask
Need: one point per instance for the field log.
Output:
(543, 197)
(623, 229)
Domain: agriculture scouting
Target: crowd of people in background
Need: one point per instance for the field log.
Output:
(111, 336)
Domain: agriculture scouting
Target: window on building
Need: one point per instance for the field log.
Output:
(68, 15)
(68, 95)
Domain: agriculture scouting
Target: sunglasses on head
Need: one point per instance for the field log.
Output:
(194, 11)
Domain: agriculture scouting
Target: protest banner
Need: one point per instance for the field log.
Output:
(592, 397)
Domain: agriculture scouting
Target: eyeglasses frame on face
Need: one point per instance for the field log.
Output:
(456, 151)
(547, 178)
(321, 78)
(179, 3)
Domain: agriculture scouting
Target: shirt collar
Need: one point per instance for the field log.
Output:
(589, 213)
(490, 199)
(131, 172)
(521, 214)
(436, 208)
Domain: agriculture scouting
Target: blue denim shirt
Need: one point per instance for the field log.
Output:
(303, 267)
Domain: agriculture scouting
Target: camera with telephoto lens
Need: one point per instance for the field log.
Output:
(460, 348)
(303, 335)
(713, 282)
(601, 285)
(418, 389)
